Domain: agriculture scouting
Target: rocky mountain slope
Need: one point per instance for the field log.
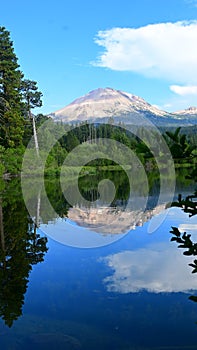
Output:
(101, 104)
(191, 111)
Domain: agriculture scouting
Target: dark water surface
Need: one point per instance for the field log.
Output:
(127, 291)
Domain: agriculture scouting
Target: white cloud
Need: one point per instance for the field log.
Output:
(163, 50)
(184, 90)
(191, 2)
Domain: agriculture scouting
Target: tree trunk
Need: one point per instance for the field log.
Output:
(34, 127)
(2, 228)
(37, 218)
(35, 136)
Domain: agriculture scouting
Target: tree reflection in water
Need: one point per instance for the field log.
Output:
(21, 247)
(189, 205)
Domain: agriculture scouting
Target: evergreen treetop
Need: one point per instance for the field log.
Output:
(11, 127)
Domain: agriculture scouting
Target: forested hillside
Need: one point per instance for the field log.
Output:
(18, 124)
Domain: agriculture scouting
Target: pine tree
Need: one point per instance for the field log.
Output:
(178, 144)
(32, 99)
(11, 119)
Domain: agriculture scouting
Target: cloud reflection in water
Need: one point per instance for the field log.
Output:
(157, 268)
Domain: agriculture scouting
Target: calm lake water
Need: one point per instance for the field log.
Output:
(94, 277)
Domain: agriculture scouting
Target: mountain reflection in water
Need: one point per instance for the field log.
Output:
(95, 227)
(101, 298)
(112, 220)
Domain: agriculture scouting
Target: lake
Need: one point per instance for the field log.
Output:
(95, 276)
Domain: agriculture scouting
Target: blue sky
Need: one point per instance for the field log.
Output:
(144, 47)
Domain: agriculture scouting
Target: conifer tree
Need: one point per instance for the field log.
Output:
(12, 121)
(32, 99)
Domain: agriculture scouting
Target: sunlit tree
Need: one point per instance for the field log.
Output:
(32, 98)
(12, 122)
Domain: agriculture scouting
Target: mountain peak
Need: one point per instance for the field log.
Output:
(189, 111)
(104, 93)
(97, 94)
(104, 103)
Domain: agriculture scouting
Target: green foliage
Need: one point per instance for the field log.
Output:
(12, 160)
(30, 94)
(120, 136)
(143, 150)
(17, 97)
(11, 126)
(71, 141)
(12, 129)
(40, 119)
(180, 148)
(90, 137)
(57, 154)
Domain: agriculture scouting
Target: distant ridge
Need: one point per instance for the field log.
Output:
(189, 111)
(103, 103)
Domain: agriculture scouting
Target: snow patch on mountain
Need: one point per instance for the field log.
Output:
(102, 103)
(187, 112)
